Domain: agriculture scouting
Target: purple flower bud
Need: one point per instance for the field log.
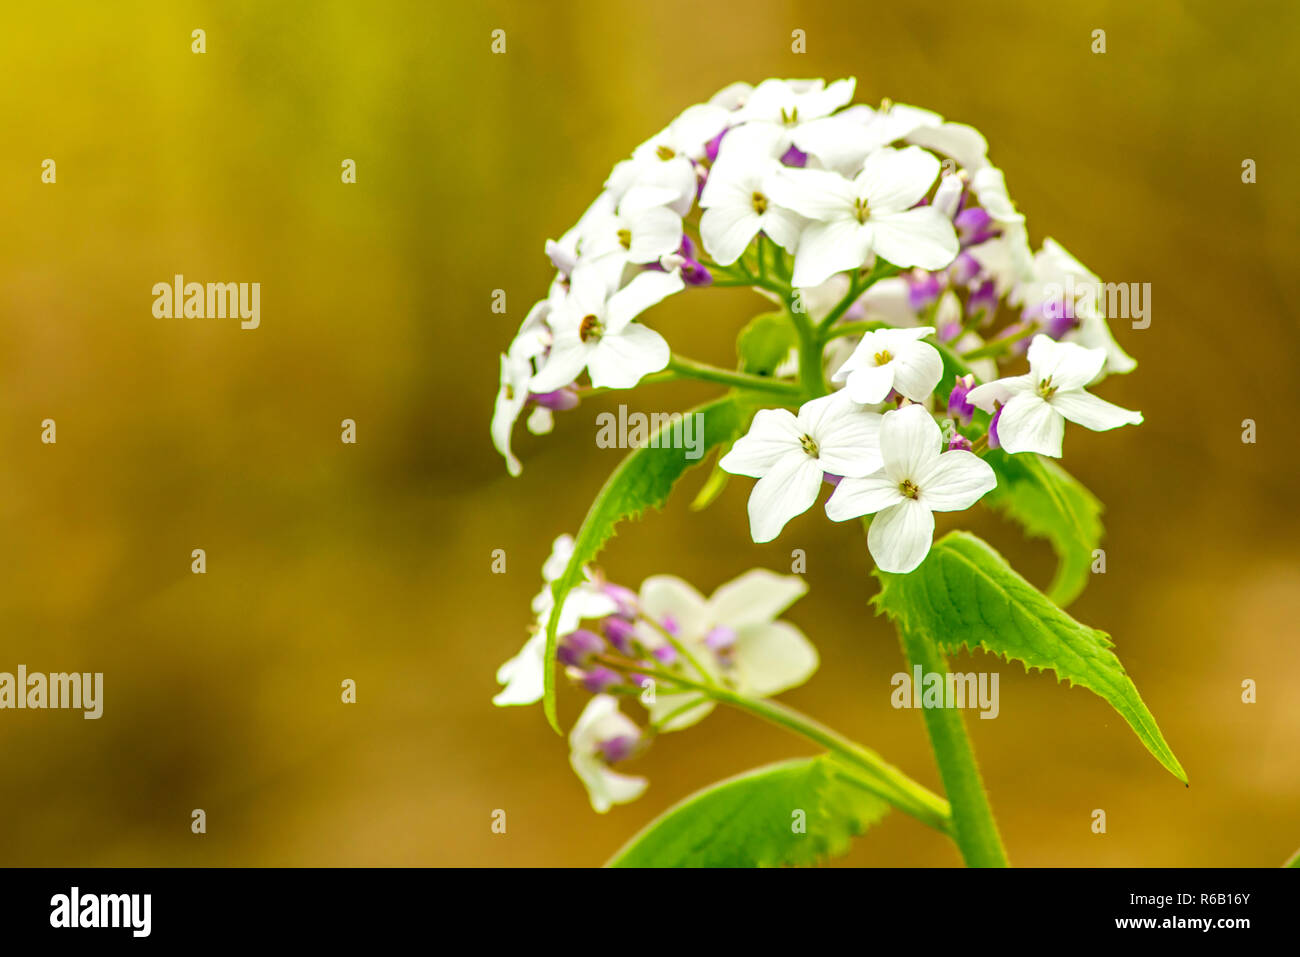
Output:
(948, 331)
(832, 480)
(974, 225)
(712, 146)
(720, 638)
(794, 157)
(993, 429)
(983, 298)
(625, 598)
(561, 400)
(959, 407)
(964, 268)
(619, 748)
(923, 288)
(575, 648)
(959, 443)
(669, 624)
(694, 274)
(620, 633)
(600, 679)
(665, 654)
(1057, 326)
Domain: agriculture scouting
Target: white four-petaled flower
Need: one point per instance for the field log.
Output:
(917, 479)
(601, 736)
(873, 214)
(1035, 406)
(892, 359)
(788, 454)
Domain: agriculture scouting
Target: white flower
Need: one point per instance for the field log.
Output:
(871, 214)
(844, 140)
(917, 480)
(668, 158)
(524, 674)
(531, 342)
(788, 103)
(892, 359)
(1035, 406)
(594, 330)
(733, 635)
(737, 208)
(640, 231)
(601, 735)
(788, 455)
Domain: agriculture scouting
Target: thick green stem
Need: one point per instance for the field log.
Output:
(812, 373)
(974, 829)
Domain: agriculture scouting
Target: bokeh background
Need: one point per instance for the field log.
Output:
(373, 561)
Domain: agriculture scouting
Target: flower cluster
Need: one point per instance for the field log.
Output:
(663, 646)
(892, 242)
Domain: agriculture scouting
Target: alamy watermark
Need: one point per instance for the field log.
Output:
(75, 689)
(215, 300)
(656, 430)
(1114, 300)
(934, 689)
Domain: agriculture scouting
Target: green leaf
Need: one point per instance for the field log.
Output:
(643, 479)
(965, 595)
(1050, 503)
(1295, 860)
(765, 343)
(751, 820)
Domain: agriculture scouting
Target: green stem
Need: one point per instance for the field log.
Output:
(852, 329)
(690, 369)
(681, 649)
(812, 373)
(871, 770)
(974, 829)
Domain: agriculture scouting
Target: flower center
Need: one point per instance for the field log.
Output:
(665, 153)
(759, 202)
(883, 357)
(809, 445)
(591, 328)
(625, 238)
(909, 489)
(861, 210)
(510, 393)
(789, 119)
(1046, 389)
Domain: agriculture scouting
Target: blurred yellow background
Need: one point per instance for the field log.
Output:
(373, 562)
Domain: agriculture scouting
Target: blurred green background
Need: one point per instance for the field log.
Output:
(373, 561)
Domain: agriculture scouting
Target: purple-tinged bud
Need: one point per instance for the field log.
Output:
(794, 157)
(619, 748)
(974, 225)
(948, 331)
(620, 633)
(575, 648)
(561, 400)
(983, 298)
(624, 598)
(600, 679)
(832, 480)
(712, 146)
(959, 443)
(694, 274)
(964, 268)
(720, 638)
(959, 407)
(993, 429)
(923, 288)
(665, 654)
(1057, 326)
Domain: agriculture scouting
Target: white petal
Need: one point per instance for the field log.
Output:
(910, 440)
(895, 180)
(855, 497)
(774, 658)
(963, 143)
(605, 788)
(757, 597)
(917, 370)
(1000, 390)
(675, 705)
(666, 596)
(849, 441)
(658, 232)
(1028, 424)
(728, 230)
(870, 384)
(900, 537)
(773, 434)
(817, 194)
(647, 289)
(1070, 366)
(621, 359)
(524, 674)
(783, 227)
(1091, 412)
(916, 237)
(956, 481)
(788, 490)
(568, 357)
(827, 248)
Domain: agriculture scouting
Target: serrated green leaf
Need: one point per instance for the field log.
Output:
(965, 595)
(643, 479)
(750, 820)
(765, 343)
(1049, 502)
